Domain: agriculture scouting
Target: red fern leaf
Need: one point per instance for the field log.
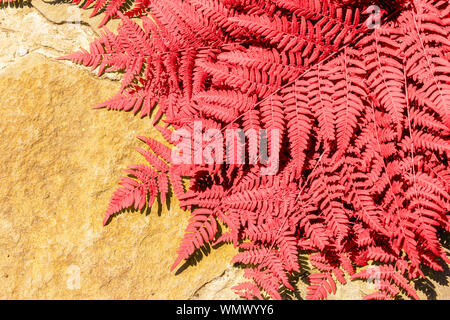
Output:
(201, 229)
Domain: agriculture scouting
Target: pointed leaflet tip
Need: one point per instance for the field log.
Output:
(106, 219)
(142, 138)
(99, 106)
(176, 263)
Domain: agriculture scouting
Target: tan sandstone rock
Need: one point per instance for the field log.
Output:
(61, 161)
(26, 30)
(48, 29)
